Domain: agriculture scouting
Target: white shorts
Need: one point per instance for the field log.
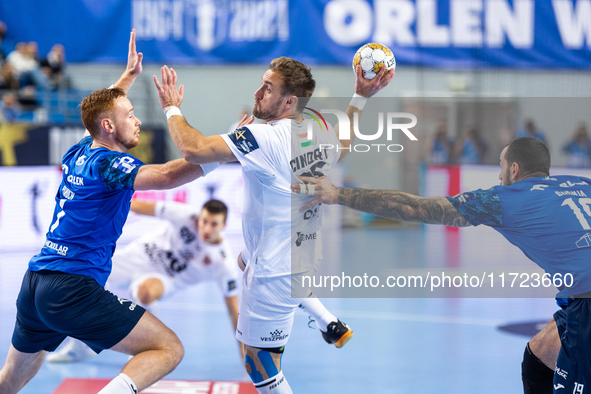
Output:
(130, 269)
(266, 311)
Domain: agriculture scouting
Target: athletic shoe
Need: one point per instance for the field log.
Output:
(337, 333)
(72, 351)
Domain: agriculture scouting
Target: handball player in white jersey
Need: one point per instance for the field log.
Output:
(265, 153)
(186, 250)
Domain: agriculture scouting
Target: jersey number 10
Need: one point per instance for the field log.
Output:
(585, 204)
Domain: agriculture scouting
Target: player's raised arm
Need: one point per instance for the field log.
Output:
(134, 66)
(143, 207)
(168, 176)
(364, 89)
(386, 203)
(194, 147)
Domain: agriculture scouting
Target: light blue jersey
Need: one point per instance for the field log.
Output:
(92, 205)
(548, 218)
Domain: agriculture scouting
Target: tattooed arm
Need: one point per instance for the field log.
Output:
(386, 203)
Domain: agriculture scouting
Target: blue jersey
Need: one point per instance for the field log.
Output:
(548, 218)
(92, 205)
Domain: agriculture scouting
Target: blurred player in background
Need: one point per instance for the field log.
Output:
(265, 152)
(541, 215)
(185, 251)
(62, 292)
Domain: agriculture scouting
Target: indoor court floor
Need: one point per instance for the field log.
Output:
(400, 345)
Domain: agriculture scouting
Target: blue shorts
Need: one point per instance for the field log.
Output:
(53, 305)
(573, 368)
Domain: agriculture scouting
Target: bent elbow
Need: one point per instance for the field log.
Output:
(190, 154)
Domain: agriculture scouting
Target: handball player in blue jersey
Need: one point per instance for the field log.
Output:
(547, 217)
(62, 292)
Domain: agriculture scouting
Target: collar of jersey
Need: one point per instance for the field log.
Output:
(273, 122)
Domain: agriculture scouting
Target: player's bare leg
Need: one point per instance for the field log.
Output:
(264, 368)
(18, 369)
(539, 360)
(150, 290)
(156, 350)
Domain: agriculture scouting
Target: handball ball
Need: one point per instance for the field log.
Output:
(372, 58)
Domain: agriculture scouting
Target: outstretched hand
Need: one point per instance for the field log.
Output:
(246, 120)
(134, 59)
(168, 94)
(321, 188)
(369, 87)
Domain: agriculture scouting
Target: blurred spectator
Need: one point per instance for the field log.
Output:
(9, 107)
(530, 130)
(470, 148)
(439, 146)
(578, 150)
(8, 80)
(26, 66)
(53, 67)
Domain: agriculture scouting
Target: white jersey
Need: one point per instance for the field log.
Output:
(271, 156)
(177, 252)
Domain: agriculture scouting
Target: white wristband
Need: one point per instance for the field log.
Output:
(358, 101)
(171, 111)
(209, 167)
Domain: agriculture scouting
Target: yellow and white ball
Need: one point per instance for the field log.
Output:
(372, 58)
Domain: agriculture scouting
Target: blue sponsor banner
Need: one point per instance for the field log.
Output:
(451, 33)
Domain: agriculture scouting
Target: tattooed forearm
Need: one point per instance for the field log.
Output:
(402, 206)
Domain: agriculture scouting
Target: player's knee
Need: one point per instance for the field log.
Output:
(537, 378)
(176, 350)
(266, 360)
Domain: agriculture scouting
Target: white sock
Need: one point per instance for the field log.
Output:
(122, 384)
(314, 307)
(274, 385)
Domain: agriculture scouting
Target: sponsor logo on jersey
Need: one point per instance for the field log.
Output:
(308, 158)
(67, 193)
(561, 372)
(187, 235)
(304, 237)
(132, 305)
(244, 140)
(578, 193)
(60, 249)
(231, 285)
(81, 160)
(462, 198)
(75, 180)
(584, 241)
(311, 213)
(571, 184)
(558, 386)
(276, 335)
(538, 187)
(125, 164)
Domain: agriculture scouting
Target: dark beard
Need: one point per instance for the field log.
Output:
(270, 114)
(508, 177)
